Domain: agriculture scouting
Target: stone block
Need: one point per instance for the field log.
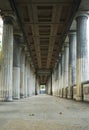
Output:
(64, 92)
(86, 92)
(74, 92)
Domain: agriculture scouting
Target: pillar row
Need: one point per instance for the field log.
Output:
(82, 54)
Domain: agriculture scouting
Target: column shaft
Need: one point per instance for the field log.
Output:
(7, 58)
(72, 62)
(62, 74)
(59, 77)
(82, 54)
(16, 67)
(25, 78)
(22, 75)
(66, 63)
(28, 79)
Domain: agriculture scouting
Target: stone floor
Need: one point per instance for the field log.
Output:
(44, 112)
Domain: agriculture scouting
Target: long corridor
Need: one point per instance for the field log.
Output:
(44, 112)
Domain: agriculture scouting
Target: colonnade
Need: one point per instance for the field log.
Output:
(70, 77)
(17, 77)
(73, 77)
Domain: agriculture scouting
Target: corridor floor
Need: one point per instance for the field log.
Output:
(44, 112)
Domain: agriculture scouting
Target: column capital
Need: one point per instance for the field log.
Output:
(66, 44)
(8, 17)
(72, 32)
(62, 50)
(82, 13)
(17, 33)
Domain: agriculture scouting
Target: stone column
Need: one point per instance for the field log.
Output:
(28, 79)
(72, 62)
(51, 87)
(59, 77)
(25, 78)
(22, 75)
(62, 73)
(82, 54)
(16, 67)
(31, 86)
(7, 58)
(36, 85)
(66, 63)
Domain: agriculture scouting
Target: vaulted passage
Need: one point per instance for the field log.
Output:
(44, 49)
(44, 112)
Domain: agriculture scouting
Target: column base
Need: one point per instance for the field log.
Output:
(28, 95)
(8, 99)
(25, 96)
(69, 97)
(64, 96)
(21, 95)
(1, 99)
(78, 98)
(60, 96)
(36, 93)
(16, 98)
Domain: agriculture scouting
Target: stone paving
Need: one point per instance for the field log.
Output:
(44, 112)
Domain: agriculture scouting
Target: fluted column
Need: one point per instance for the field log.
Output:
(7, 58)
(22, 73)
(72, 62)
(66, 63)
(59, 77)
(82, 54)
(62, 73)
(16, 66)
(36, 85)
(25, 78)
(28, 79)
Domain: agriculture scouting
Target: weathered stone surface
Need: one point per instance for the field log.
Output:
(66, 63)
(82, 54)
(22, 75)
(16, 83)
(7, 59)
(74, 92)
(16, 67)
(86, 92)
(44, 112)
(72, 61)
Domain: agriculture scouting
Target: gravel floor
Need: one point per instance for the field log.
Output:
(44, 112)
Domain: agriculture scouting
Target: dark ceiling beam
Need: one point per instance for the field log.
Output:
(75, 7)
(44, 3)
(14, 8)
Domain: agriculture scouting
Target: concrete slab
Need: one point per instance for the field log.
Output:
(44, 112)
